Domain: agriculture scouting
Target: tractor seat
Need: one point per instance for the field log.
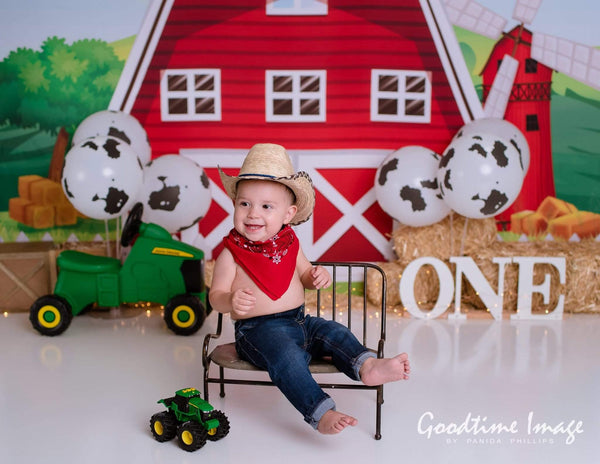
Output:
(78, 261)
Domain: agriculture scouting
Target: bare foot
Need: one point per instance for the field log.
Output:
(376, 371)
(334, 422)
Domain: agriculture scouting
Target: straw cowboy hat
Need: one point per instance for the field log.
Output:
(267, 161)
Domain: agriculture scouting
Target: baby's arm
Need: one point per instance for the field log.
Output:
(312, 277)
(222, 299)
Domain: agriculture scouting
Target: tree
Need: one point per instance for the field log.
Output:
(58, 86)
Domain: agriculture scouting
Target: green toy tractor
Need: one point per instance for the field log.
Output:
(158, 269)
(191, 418)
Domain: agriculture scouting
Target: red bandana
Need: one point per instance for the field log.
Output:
(270, 264)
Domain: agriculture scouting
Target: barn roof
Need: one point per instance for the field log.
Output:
(168, 20)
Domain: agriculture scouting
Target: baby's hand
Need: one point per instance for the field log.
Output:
(320, 276)
(242, 301)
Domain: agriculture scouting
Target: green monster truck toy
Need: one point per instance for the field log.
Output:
(191, 418)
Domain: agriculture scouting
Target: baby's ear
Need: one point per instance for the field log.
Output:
(291, 212)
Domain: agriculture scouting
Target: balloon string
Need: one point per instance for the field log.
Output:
(451, 233)
(118, 236)
(107, 239)
(464, 235)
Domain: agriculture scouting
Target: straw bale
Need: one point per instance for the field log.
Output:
(393, 272)
(444, 238)
(581, 290)
(426, 286)
(582, 287)
(209, 267)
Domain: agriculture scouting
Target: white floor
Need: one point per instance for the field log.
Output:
(87, 395)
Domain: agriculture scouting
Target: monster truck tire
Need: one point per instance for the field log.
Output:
(163, 426)
(222, 430)
(191, 435)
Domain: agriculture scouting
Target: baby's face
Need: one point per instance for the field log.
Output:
(261, 208)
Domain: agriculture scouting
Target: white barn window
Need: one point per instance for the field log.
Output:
(400, 96)
(190, 95)
(295, 96)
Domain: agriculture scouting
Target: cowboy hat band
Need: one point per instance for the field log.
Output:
(270, 162)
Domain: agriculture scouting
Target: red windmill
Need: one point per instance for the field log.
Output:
(517, 79)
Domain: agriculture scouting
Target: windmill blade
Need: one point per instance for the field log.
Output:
(525, 10)
(581, 62)
(470, 15)
(497, 99)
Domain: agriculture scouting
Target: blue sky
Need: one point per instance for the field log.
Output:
(27, 23)
(576, 20)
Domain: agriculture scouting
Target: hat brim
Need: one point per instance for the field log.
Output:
(300, 183)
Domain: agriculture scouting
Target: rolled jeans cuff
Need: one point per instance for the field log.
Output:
(319, 411)
(359, 361)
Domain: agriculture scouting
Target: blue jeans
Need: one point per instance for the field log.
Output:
(284, 344)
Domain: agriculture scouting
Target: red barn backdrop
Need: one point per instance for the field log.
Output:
(340, 84)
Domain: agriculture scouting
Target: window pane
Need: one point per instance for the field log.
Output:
(309, 84)
(204, 82)
(415, 84)
(388, 106)
(388, 83)
(177, 82)
(178, 106)
(309, 106)
(530, 66)
(281, 107)
(205, 105)
(414, 108)
(282, 84)
(532, 122)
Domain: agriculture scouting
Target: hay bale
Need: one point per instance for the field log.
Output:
(393, 272)
(209, 267)
(444, 239)
(581, 290)
(582, 287)
(92, 248)
(426, 287)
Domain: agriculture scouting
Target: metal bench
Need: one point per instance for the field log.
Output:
(337, 302)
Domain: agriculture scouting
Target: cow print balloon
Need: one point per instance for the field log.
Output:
(406, 187)
(504, 130)
(119, 125)
(102, 177)
(176, 192)
(480, 174)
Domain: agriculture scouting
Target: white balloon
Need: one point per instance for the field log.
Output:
(176, 193)
(119, 125)
(480, 175)
(503, 129)
(102, 177)
(407, 188)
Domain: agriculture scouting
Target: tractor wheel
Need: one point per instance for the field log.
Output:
(50, 315)
(163, 426)
(184, 314)
(223, 428)
(192, 436)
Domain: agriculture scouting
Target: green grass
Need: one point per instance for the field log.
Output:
(85, 230)
(342, 288)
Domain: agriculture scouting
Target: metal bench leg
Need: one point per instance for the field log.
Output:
(378, 413)
(205, 386)
(222, 383)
